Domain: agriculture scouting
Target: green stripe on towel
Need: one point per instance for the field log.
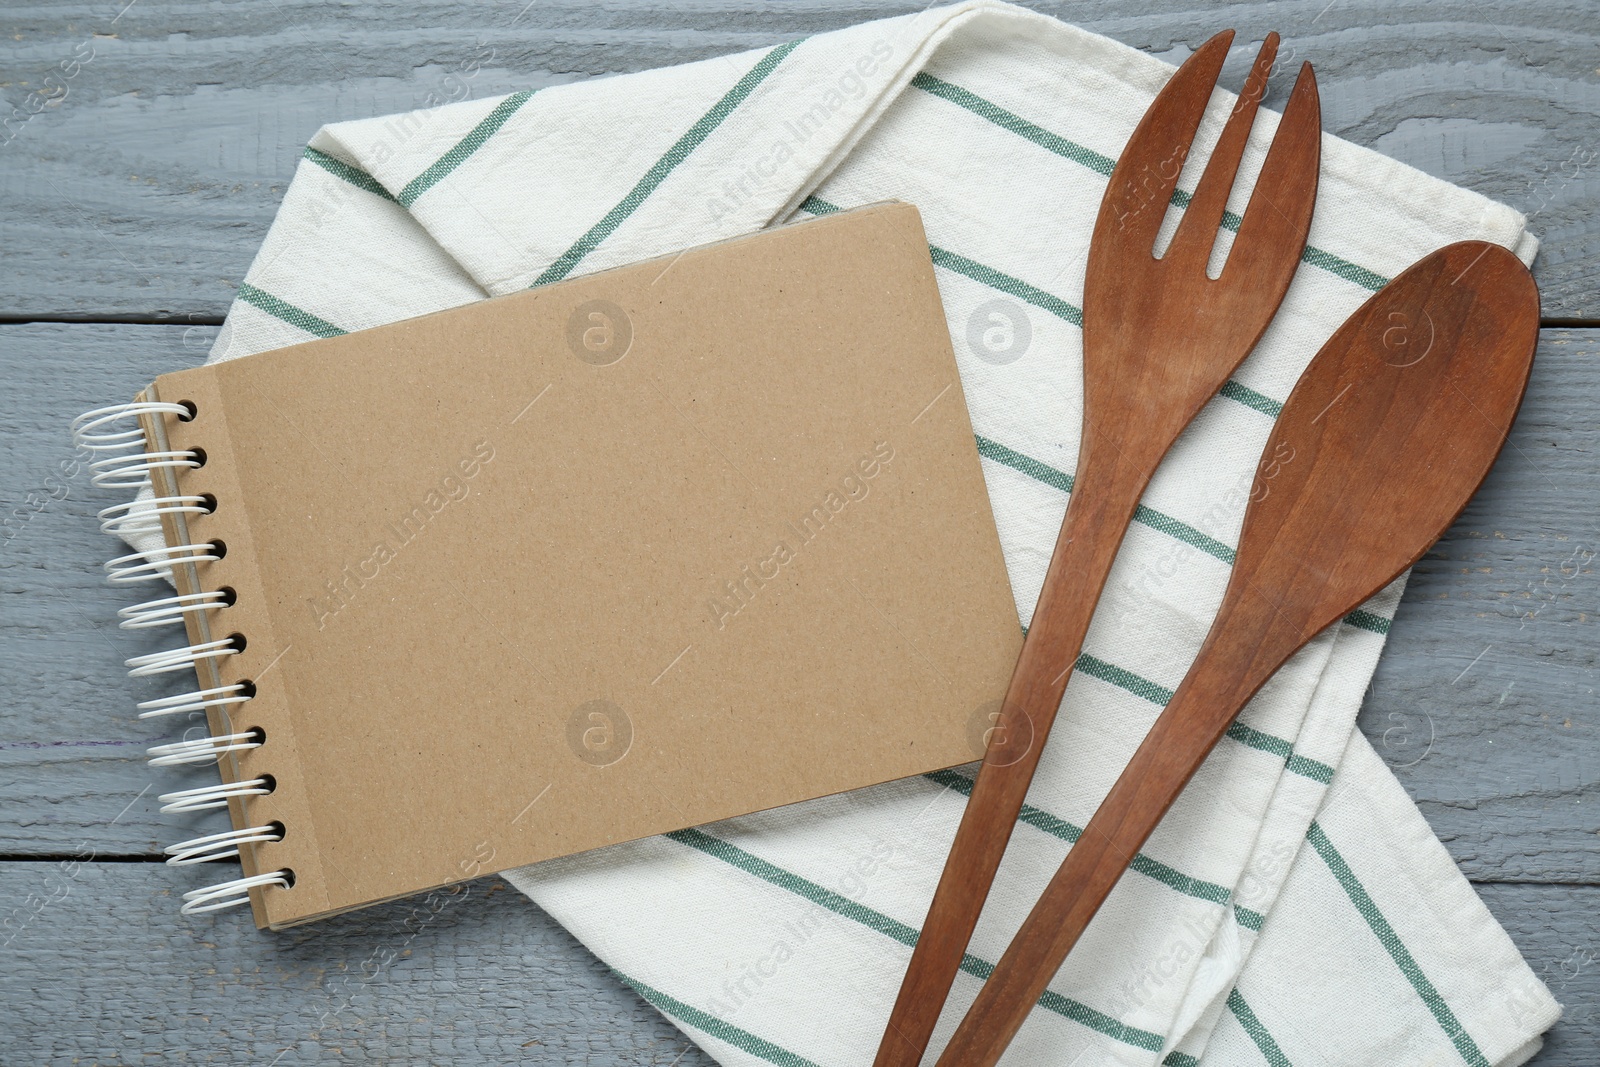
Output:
(465, 147)
(1068, 832)
(664, 166)
(1005, 283)
(1002, 282)
(710, 1024)
(1258, 1033)
(735, 856)
(1366, 620)
(1181, 531)
(1102, 165)
(1250, 398)
(345, 172)
(287, 312)
(1392, 944)
(1304, 766)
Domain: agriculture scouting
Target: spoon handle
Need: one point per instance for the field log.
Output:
(1196, 717)
(1091, 531)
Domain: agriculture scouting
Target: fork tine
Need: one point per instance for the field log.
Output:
(1279, 212)
(1147, 171)
(1198, 230)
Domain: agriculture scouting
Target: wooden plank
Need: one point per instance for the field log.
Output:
(1484, 700)
(100, 964)
(70, 746)
(1557, 930)
(1502, 751)
(141, 185)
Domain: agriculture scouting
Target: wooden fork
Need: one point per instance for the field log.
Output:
(1160, 339)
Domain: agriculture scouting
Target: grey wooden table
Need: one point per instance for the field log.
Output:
(138, 178)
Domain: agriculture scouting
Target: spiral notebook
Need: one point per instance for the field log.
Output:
(625, 554)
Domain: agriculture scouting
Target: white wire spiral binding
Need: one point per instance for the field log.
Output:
(126, 460)
(219, 846)
(88, 429)
(156, 564)
(135, 517)
(176, 659)
(195, 700)
(231, 894)
(133, 472)
(206, 749)
(208, 797)
(169, 611)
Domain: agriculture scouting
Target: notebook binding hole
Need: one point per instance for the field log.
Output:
(121, 457)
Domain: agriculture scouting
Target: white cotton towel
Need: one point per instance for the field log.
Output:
(1293, 907)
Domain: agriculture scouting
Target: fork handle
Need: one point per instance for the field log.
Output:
(1227, 672)
(1091, 531)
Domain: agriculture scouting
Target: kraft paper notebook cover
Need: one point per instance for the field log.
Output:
(625, 554)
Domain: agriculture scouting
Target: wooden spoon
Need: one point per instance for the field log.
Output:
(1389, 432)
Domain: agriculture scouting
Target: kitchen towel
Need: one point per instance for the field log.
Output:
(1294, 907)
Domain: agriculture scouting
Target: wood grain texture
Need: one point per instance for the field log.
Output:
(476, 976)
(1558, 931)
(141, 186)
(61, 651)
